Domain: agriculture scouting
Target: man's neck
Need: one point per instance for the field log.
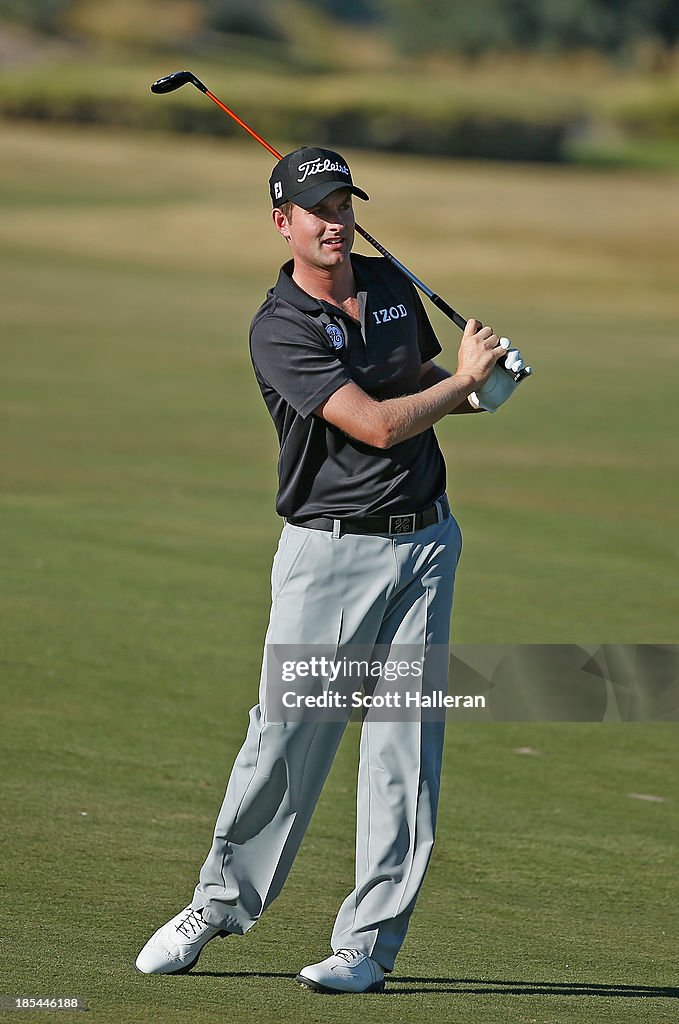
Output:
(335, 285)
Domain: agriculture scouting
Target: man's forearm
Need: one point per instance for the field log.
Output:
(386, 423)
(438, 373)
(408, 416)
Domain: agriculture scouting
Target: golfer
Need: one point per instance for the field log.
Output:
(343, 354)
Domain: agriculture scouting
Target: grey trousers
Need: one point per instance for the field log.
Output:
(339, 592)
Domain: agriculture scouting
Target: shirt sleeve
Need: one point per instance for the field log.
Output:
(426, 337)
(292, 359)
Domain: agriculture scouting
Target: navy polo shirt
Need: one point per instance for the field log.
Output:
(304, 349)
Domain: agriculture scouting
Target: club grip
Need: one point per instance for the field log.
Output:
(451, 313)
(460, 322)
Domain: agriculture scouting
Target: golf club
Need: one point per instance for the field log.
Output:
(179, 78)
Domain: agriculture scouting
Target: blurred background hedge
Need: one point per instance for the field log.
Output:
(544, 80)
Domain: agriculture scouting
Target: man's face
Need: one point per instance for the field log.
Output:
(323, 236)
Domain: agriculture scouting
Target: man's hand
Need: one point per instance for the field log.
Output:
(500, 385)
(479, 351)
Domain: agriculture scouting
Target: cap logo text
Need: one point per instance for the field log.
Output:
(319, 167)
(278, 190)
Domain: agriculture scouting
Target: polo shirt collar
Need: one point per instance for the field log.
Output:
(287, 289)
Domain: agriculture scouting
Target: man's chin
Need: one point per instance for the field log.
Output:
(336, 257)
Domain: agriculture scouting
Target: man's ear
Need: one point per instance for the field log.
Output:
(281, 223)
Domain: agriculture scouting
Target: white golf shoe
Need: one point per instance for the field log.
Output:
(175, 948)
(347, 970)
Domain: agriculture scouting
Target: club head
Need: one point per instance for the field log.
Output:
(175, 81)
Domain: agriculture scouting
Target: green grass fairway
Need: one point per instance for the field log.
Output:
(138, 479)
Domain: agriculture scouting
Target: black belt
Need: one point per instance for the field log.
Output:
(393, 525)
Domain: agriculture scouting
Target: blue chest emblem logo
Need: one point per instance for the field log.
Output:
(336, 336)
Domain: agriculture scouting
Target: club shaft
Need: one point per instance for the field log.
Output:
(242, 123)
(436, 299)
(440, 303)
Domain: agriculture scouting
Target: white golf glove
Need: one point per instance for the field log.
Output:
(501, 384)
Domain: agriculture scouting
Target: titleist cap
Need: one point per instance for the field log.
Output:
(308, 175)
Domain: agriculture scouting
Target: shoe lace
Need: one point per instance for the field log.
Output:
(193, 920)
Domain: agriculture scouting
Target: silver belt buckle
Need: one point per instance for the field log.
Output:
(402, 524)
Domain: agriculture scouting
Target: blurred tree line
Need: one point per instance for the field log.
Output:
(612, 27)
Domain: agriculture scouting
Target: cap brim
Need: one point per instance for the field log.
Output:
(317, 193)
